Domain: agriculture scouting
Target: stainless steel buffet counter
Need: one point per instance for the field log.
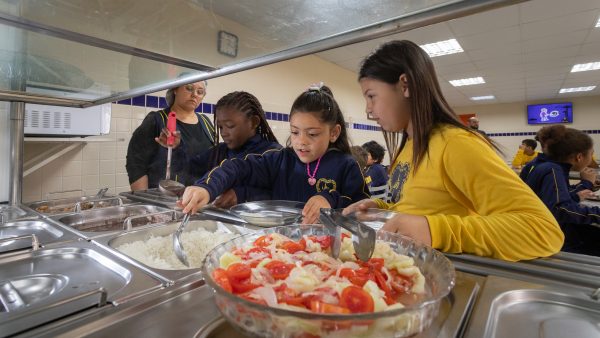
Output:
(492, 298)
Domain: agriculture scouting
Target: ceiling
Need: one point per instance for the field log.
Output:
(524, 52)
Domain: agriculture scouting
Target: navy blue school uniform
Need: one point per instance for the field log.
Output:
(198, 165)
(376, 175)
(573, 189)
(550, 181)
(338, 178)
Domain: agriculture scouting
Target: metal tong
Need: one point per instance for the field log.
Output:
(363, 236)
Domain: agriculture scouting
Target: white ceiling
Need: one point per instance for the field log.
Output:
(524, 52)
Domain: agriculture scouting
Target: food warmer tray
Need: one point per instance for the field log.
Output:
(25, 234)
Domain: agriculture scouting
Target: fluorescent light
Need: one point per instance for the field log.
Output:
(584, 67)
(485, 97)
(598, 23)
(576, 89)
(467, 82)
(442, 48)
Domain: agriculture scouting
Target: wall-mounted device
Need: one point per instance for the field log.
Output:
(55, 121)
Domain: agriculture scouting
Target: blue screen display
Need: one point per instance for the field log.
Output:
(550, 113)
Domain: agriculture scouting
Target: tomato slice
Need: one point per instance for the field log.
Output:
(356, 300)
(324, 241)
(238, 271)
(252, 299)
(257, 252)
(242, 285)
(347, 272)
(220, 277)
(263, 241)
(381, 282)
(321, 307)
(292, 247)
(279, 269)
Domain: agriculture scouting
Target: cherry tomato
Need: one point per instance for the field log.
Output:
(263, 241)
(324, 241)
(220, 277)
(347, 272)
(238, 271)
(292, 247)
(242, 285)
(321, 307)
(278, 269)
(356, 300)
(380, 280)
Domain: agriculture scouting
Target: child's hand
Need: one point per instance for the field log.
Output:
(193, 199)
(583, 194)
(362, 205)
(226, 200)
(312, 208)
(162, 138)
(589, 174)
(413, 226)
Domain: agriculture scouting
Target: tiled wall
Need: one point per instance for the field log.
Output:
(100, 161)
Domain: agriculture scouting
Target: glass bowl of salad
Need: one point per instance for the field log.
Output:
(283, 282)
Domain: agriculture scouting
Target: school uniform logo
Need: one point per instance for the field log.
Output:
(326, 184)
(396, 181)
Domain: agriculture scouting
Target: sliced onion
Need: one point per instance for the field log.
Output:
(268, 294)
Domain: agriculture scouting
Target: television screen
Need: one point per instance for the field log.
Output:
(550, 113)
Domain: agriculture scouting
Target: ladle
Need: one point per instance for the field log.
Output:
(177, 246)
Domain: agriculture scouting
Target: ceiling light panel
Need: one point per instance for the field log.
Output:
(485, 97)
(584, 67)
(440, 48)
(467, 82)
(576, 89)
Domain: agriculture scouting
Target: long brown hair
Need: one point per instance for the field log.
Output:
(429, 108)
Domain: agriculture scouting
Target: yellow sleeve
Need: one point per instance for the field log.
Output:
(518, 159)
(509, 222)
(381, 204)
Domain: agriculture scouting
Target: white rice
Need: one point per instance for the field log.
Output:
(157, 252)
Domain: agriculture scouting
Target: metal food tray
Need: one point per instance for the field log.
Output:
(23, 234)
(114, 241)
(41, 286)
(92, 223)
(74, 204)
(513, 309)
(270, 213)
(153, 196)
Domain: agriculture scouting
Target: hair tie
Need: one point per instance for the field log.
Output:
(315, 87)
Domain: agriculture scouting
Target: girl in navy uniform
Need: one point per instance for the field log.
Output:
(241, 122)
(316, 166)
(566, 149)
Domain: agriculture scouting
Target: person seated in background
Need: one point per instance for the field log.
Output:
(579, 191)
(474, 124)
(241, 123)
(525, 154)
(146, 159)
(566, 149)
(376, 175)
(361, 156)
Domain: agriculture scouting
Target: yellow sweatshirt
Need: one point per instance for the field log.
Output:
(473, 201)
(522, 159)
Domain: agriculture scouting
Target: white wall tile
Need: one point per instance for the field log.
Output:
(107, 181)
(71, 183)
(91, 152)
(90, 182)
(107, 167)
(122, 180)
(90, 167)
(120, 111)
(123, 125)
(120, 166)
(108, 151)
(72, 168)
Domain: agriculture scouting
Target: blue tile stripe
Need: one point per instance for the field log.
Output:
(532, 133)
(153, 101)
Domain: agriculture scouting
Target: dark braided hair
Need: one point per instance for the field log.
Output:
(245, 103)
(320, 101)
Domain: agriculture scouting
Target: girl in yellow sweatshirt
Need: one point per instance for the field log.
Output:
(453, 191)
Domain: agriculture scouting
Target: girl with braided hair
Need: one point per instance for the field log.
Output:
(240, 121)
